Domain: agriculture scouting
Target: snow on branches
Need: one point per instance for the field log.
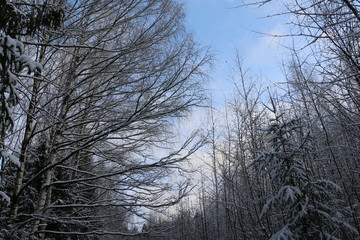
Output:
(307, 206)
(12, 61)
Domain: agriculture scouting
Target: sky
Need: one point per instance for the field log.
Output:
(225, 27)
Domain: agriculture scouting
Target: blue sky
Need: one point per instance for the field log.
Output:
(216, 23)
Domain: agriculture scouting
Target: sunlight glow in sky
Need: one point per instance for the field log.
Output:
(225, 28)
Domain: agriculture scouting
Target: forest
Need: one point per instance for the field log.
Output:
(90, 91)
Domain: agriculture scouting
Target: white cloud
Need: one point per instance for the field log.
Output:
(276, 36)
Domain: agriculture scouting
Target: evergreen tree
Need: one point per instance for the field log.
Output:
(307, 207)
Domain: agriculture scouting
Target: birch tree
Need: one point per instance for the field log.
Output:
(114, 78)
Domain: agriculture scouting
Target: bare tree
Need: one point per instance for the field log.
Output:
(114, 76)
